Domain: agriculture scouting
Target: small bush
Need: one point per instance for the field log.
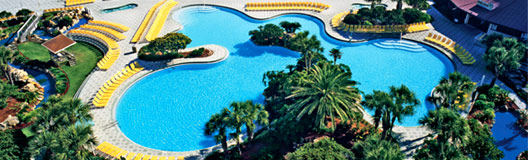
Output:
(196, 53)
(165, 47)
(61, 81)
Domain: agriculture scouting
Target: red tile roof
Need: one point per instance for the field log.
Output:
(58, 43)
(510, 13)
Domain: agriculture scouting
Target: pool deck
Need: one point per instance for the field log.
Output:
(106, 128)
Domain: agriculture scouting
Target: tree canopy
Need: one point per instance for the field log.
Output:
(323, 149)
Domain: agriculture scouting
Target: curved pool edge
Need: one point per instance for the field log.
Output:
(220, 54)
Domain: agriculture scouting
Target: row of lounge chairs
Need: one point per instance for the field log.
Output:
(105, 92)
(146, 21)
(109, 59)
(415, 27)
(450, 45)
(116, 152)
(113, 25)
(160, 19)
(77, 2)
(63, 9)
(338, 17)
(115, 35)
(281, 6)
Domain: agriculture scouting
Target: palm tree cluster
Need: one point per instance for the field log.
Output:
(504, 55)
(246, 114)
(453, 92)
(62, 130)
(389, 107)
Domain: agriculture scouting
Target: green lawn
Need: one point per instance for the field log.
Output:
(87, 57)
(34, 51)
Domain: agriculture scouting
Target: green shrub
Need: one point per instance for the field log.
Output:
(380, 16)
(412, 15)
(269, 34)
(5, 14)
(165, 47)
(196, 53)
(23, 12)
(323, 149)
(61, 81)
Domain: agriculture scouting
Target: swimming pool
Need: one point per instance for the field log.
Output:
(168, 109)
(120, 8)
(509, 137)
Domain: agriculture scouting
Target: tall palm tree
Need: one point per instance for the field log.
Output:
(290, 27)
(254, 113)
(504, 56)
(453, 92)
(392, 106)
(334, 52)
(219, 122)
(6, 57)
(308, 46)
(67, 142)
(447, 124)
(327, 91)
(405, 101)
(237, 120)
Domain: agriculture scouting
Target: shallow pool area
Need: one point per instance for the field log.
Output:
(167, 110)
(120, 8)
(509, 137)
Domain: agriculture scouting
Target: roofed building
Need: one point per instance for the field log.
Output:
(58, 43)
(503, 16)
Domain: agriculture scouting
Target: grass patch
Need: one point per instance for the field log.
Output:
(34, 51)
(86, 57)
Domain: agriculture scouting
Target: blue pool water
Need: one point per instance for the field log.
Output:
(47, 36)
(168, 109)
(509, 137)
(125, 7)
(45, 80)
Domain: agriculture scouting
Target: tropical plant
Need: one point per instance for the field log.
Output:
(399, 4)
(269, 34)
(447, 124)
(418, 4)
(336, 53)
(219, 123)
(254, 113)
(323, 149)
(6, 57)
(373, 3)
(503, 56)
(290, 27)
(490, 39)
(8, 148)
(374, 147)
(165, 47)
(453, 92)
(327, 92)
(67, 142)
(480, 145)
(310, 48)
(237, 119)
(441, 150)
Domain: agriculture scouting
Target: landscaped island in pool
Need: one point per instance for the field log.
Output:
(167, 110)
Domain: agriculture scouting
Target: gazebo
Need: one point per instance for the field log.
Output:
(58, 43)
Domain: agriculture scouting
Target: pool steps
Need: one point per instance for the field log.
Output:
(403, 45)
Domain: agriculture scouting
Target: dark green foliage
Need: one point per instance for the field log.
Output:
(380, 16)
(440, 150)
(23, 12)
(269, 34)
(412, 15)
(374, 148)
(290, 27)
(61, 81)
(323, 149)
(165, 47)
(65, 21)
(8, 148)
(418, 4)
(196, 53)
(490, 39)
(5, 14)
(480, 145)
(504, 56)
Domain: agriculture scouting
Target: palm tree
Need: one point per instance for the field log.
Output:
(334, 52)
(67, 142)
(453, 91)
(254, 113)
(504, 56)
(418, 4)
(309, 47)
(448, 124)
(374, 147)
(237, 118)
(290, 27)
(329, 92)
(389, 107)
(405, 101)
(6, 57)
(219, 123)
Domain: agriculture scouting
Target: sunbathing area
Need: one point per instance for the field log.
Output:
(230, 79)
